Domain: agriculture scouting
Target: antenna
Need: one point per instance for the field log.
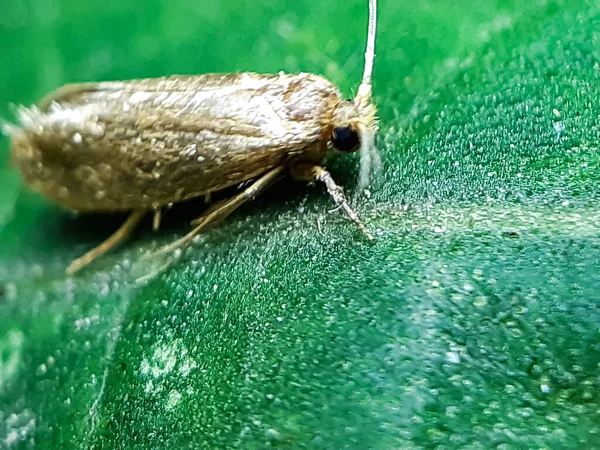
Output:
(363, 96)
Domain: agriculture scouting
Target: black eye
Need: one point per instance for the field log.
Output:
(345, 139)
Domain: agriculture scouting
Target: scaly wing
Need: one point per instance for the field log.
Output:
(119, 145)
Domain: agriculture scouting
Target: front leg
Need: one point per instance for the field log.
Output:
(305, 172)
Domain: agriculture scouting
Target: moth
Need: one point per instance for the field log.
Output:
(142, 145)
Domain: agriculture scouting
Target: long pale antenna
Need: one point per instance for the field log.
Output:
(363, 96)
(369, 158)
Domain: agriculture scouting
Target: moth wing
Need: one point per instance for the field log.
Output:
(123, 145)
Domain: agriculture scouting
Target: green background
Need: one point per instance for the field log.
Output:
(472, 322)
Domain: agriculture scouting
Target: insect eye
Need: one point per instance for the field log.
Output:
(345, 139)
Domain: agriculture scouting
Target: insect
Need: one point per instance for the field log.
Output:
(143, 145)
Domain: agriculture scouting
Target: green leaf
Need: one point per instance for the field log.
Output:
(471, 322)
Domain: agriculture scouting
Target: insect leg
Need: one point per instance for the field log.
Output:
(156, 219)
(214, 207)
(225, 208)
(318, 173)
(115, 239)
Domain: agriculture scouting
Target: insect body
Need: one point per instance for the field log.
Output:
(144, 144)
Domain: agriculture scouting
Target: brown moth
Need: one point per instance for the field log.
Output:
(142, 145)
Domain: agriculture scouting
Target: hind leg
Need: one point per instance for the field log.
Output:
(224, 208)
(115, 239)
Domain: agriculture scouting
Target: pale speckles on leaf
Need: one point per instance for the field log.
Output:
(42, 369)
(165, 359)
(86, 322)
(186, 366)
(11, 348)
(173, 399)
(162, 361)
(559, 128)
(272, 434)
(453, 357)
(17, 428)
